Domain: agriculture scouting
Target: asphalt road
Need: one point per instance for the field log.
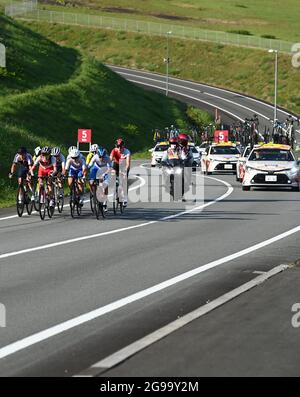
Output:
(233, 106)
(78, 290)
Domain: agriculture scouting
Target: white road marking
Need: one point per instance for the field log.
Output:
(85, 201)
(188, 96)
(92, 236)
(202, 92)
(139, 345)
(200, 85)
(67, 325)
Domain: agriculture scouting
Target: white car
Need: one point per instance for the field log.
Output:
(157, 153)
(196, 156)
(240, 167)
(271, 165)
(220, 157)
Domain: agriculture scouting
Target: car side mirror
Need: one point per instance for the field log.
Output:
(151, 150)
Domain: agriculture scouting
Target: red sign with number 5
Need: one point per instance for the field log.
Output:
(84, 136)
(221, 136)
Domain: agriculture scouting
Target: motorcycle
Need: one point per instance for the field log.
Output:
(173, 173)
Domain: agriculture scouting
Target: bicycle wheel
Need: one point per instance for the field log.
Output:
(101, 209)
(42, 202)
(96, 204)
(29, 202)
(36, 196)
(78, 208)
(72, 200)
(60, 200)
(50, 209)
(20, 200)
(92, 200)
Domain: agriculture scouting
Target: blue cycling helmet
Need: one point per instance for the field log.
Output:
(102, 152)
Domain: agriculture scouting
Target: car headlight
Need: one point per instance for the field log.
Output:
(178, 171)
(293, 171)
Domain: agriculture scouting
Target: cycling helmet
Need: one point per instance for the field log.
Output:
(72, 148)
(74, 153)
(55, 151)
(183, 139)
(46, 150)
(22, 150)
(120, 142)
(102, 152)
(94, 148)
(37, 150)
(173, 141)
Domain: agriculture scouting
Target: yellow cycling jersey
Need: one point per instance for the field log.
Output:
(89, 157)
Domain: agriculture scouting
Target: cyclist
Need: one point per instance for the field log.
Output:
(100, 169)
(76, 168)
(186, 156)
(60, 165)
(93, 169)
(71, 149)
(23, 161)
(93, 151)
(47, 167)
(173, 152)
(121, 159)
(37, 152)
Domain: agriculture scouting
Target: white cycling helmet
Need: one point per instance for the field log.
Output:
(75, 153)
(37, 150)
(55, 151)
(72, 148)
(94, 147)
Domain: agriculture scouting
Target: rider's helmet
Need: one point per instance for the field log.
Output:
(37, 151)
(94, 148)
(46, 150)
(71, 148)
(102, 152)
(22, 150)
(74, 153)
(55, 151)
(173, 141)
(183, 139)
(120, 142)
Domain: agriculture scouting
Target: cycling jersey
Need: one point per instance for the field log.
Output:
(81, 156)
(76, 167)
(46, 165)
(23, 163)
(99, 166)
(119, 156)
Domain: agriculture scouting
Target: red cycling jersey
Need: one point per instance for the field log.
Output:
(117, 155)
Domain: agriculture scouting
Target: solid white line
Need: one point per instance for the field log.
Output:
(200, 85)
(92, 236)
(203, 92)
(43, 335)
(85, 201)
(188, 96)
(139, 345)
(67, 325)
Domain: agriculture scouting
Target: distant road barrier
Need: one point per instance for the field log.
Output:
(29, 10)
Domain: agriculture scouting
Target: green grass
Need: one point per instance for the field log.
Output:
(269, 17)
(240, 69)
(50, 109)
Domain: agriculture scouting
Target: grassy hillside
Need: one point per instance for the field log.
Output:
(240, 69)
(66, 91)
(269, 17)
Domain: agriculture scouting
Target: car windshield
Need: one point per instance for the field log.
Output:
(271, 155)
(247, 152)
(224, 150)
(203, 145)
(194, 150)
(161, 148)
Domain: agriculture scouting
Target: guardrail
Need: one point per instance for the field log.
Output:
(31, 12)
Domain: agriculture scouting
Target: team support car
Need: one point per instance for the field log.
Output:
(196, 156)
(157, 153)
(220, 157)
(272, 165)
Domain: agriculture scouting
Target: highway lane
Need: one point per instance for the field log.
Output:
(47, 287)
(233, 105)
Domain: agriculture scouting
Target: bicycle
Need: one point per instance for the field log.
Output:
(117, 203)
(75, 198)
(23, 198)
(59, 195)
(45, 198)
(98, 198)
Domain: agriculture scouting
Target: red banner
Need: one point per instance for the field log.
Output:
(84, 136)
(221, 136)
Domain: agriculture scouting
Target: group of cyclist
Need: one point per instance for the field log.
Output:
(51, 163)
